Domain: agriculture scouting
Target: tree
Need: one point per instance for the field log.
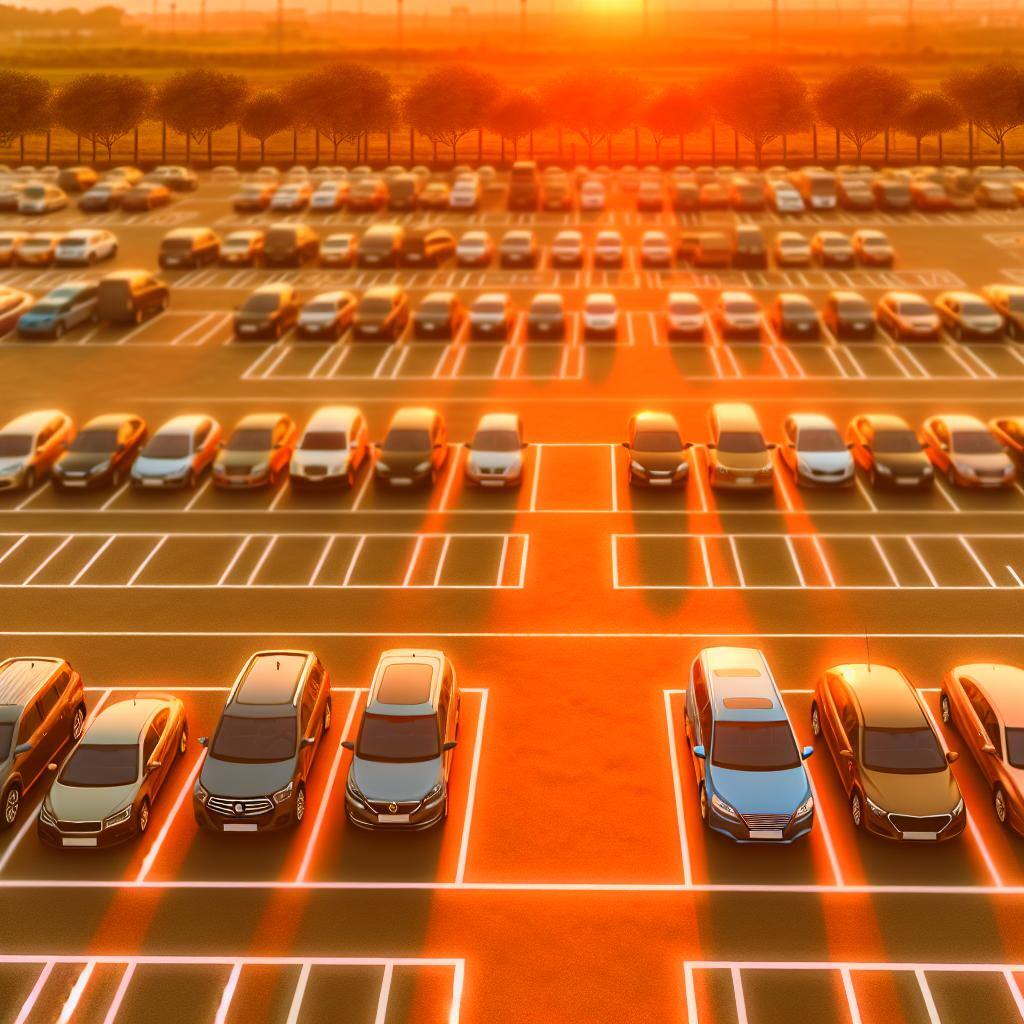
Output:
(929, 113)
(991, 98)
(102, 108)
(199, 102)
(676, 110)
(595, 107)
(263, 115)
(514, 116)
(861, 103)
(342, 101)
(761, 102)
(446, 104)
(24, 106)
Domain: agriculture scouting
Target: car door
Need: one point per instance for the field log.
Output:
(201, 450)
(53, 711)
(151, 777)
(938, 443)
(833, 699)
(980, 729)
(164, 728)
(309, 724)
(700, 720)
(31, 730)
(446, 716)
(789, 451)
(358, 440)
(859, 436)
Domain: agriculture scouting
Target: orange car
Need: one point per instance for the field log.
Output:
(965, 450)
(1009, 432)
(39, 249)
(985, 704)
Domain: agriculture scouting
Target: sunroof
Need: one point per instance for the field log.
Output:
(748, 703)
(405, 683)
(271, 679)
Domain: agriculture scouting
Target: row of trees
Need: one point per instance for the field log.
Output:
(348, 102)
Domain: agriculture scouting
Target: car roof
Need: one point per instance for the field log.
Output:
(336, 296)
(335, 417)
(499, 421)
(126, 275)
(259, 419)
(413, 416)
(383, 291)
(600, 297)
(186, 423)
(440, 297)
(30, 421)
(741, 685)
(812, 421)
(887, 421)
(279, 288)
(109, 419)
(400, 686)
(650, 419)
(959, 421)
(846, 295)
(737, 296)
(84, 233)
(794, 299)
(1001, 685)
(491, 297)
(186, 232)
(884, 695)
(270, 678)
(736, 413)
(904, 297)
(962, 296)
(21, 677)
(123, 721)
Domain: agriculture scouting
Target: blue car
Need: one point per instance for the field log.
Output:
(178, 453)
(59, 311)
(751, 779)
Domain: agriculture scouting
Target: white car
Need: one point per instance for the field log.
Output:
(225, 174)
(37, 198)
(783, 198)
(815, 451)
(608, 249)
(333, 447)
(655, 249)
(267, 174)
(600, 315)
(327, 315)
(465, 193)
(339, 250)
(494, 458)
(592, 195)
(328, 197)
(491, 315)
(474, 249)
(297, 172)
(85, 245)
(792, 249)
(686, 316)
(737, 314)
(292, 197)
(567, 249)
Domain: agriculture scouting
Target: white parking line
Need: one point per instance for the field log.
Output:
(117, 494)
(385, 992)
(122, 991)
(297, 996)
(228, 995)
(67, 1011)
(452, 466)
(977, 561)
(474, 771)
(234, 560)
(185, 791)
(46, 561)
(677, 790)
(33, 997)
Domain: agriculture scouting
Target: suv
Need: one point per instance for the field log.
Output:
(42, 707)
(269, 312)
(290, 244)
(383, 312)
(129, 296)
(254, 775)
(189, 247)
(751, 780)
(402, 755)
(415, 449)
(381, 246)
(427, 248)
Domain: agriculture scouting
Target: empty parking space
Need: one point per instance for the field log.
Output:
(570, 477)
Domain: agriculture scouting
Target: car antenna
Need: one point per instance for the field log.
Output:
(278, 663)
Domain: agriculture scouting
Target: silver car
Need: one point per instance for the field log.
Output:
(332, 449)
(104, 792)
(327, 315)
(29, 446)
(815, 452)
(495, 455)
(402, 756)
(178, 453)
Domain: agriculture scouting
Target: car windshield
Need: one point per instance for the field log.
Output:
(398, 738)
(254, 740)
(902, 751)
(740, 306)
(976, 309)
(6, 735)
(793, 243)
(176, 244)
(685, 308)
(657, 441)
(741, 442)
(874, 242)
(102, 764)
(15, 444)
(546, 309)
(320, 307)
(754, 746)
(1014, 746)
(250, 439)
(821, 440)
(496, 441)
(896, 442)
(95, 441)
(915, 309)
(1016, 303)
(405, 440)
(238, 243)
(489, 308)
(435, 310)
(375, 307)
(854, 308)
(835, 243)
(338, 243)
(168, 446)
(261, 303)
(323, 440)
(975, 442)
(601, 308)
(34, 192)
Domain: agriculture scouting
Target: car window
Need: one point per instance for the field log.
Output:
(150, 743)
(61, 682)
(30, 721)
(306, 711)
(47, 700)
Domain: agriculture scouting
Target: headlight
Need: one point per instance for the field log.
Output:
(874, 808)
(353, 789)
(637, 467)
(202, 794)
(116, 819)
(46, 816)
(958, 810)
(434, 793)
(100, 467)
(880, 467)
(282, 794)
(927, 471)
(723, 808)
(219, 468)
(683, 467)
(805, 808)
(968, 471)
(421, 467)
(260, 468)
(383, 467)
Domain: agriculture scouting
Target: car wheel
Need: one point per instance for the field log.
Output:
(327, 718)
(350, 478)
(138, 315)
(30, 478)
(873, 477)
(857, 810)
(815, 720)
(300, 804)
(164, 302)
(142, 820)
(944, 710)
(951, 477)
(702, 796)
(183, 739)
(58, 331)
(77, 724)
(433, 476)
(958, 333)
(192, 479)
(117, 477)
(999, 805)
(12, 804)
(1011, 329)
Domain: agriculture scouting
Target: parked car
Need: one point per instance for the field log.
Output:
(292, 197)
(259, 760)
(188, 248)
(39, 249)
(102, 454)
(567, 249)
(832, 249)
(85, 246)
(10, 243)
(815, 451)
(494, 457)
(518, 248)
(608, 250)
(546, 316)
(29, 446)
(339, 250)
(474, 249)
(129, 296)
(752, 784)
(657, 452)
(178, 453)
(37, 199)
(968, 315)
(748, 248)
(965, 450)
(492, 316)
(736, 314)
(382, 313)
(592, 196)
(794, 317)
(712, 249)
(440, 315)
(290, 244)
(783, 197)
(257, 453)
(892, 193)
(76, 179)
(738, 456)
(791, 249)
(872, 248)
(329, 196)
(61, 310)
(434, 196)
(381, 246)
(885, 447)
(327, 315)
(994, 194)
(333, 448)
(146, 195)
(42, 710)
(1009, 432)
(848, 315)
(600, 315)
(429, 247)
(176, 177)
(655, 250)
(466, 192)
(1008, 300)
(414, 450)
(269, 312)
(856, 194)
(685, 316)
(907, 317)
(404, 191)
(889, 759)
(14, 304)
(254, 196)
(242, 248)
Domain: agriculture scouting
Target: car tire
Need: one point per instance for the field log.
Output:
(945, 711)
(815, 720)
(139, 315)
(191, 480)
(117, 477)
(857, 810)
(78, 723)
(58, 331)
(328, 714)
(142, 818)
(702, 797)
(30, 478)
(11, 805)
(164, 303)
(951, 477)
(299, 812)
(350, 478)
(1011, 330)
(1000, 806)
(183, 740)
(433, 476)
(873, 477)
(958, 334)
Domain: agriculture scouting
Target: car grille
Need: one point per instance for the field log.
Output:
(238, 470)
(399, 807)
(240, 807)
(908, 823)
(765, 821)
(991, 474)
(316, 471)
(79, 826)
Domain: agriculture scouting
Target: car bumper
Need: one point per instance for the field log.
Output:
(103, 839)
(242, 482)
(425, 816)
(280, 817)
(493, 480)
(740, 831)
(740, 482)
(879, 825)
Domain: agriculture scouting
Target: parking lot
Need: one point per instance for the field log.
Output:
(573, 880)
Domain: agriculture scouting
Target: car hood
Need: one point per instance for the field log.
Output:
(753, 461)
(995, 463)
(38, 316)
(779, 792)
(243, 316)
(494, 460)
(903, 462)
(160, 467)
(241, 459)
(228, 778)
(658, 460)
(403, 460)
(82, 462)
(88, 803)
(326, 457)
(827, 461)
(378, 780)
(12, 465)
(922, 794)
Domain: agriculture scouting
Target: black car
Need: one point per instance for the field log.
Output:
(269, 312)
(102, 454)
(848, 315)
(440, 315)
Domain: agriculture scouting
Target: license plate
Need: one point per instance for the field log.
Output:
(744, 480)
(662, 482)
(919, 835)
(231, 826)
(78, 840)
(766, 833)
(246, 328)
(370, 330)
(393, 819)
(74, 483)
(906, 481)
(492, 483)
(152, 483)
(400, 481)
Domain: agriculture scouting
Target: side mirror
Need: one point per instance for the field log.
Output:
(626, 445)
(846, 753)
(687, 445)
(221, 444)
(791, 444)
(22, 748)
(468, 446)
(203, 741)
(988, 748)
(952, 756)
(348, 744)
(52, 766)
(806, 752)
(699, 751)
(524, 444)
(307, 741)
(711, 447)
(153, 765)
(450, 745)
(850, 446)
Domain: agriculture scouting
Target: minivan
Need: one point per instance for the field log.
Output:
(189, 247)
(259, 759)
(42, 708)
(290, 244)
(402, 755)
(129, 296)
(738, 455)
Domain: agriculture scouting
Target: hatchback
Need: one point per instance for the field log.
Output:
(739, 458)
(968, 453)
(567, 249)
(791, 249)
(474, 249)
(427, 247)
(686, 316)
(968, 315)
(737, 315)
(414, 450)
(518, 249)
(600, 315)
(189, 247)
(329, 197)
(794, 317)
(102, 454)
(10, 243)
(242, 248)
(872, 248)
(907, 317)
(291, 198)
(657, 452)
(39, 249)
(890, 452)
(832, 249)
(29, 446)
(36, 199)
(748, 248)
(382, 313)
(85, 246)
(494, 457)
(290, 244)
(178, 453)
(655, 250)
(1009, 432)
(1008, 301)
(381, 246)
(848, 315)
(332, 449)
(60, 311)
(492, 316)
(439, 315)
(258, 452)
(146, 195)
(327, 315)
(546, 316)
(253, 197)
(815, 452)
(608, 249)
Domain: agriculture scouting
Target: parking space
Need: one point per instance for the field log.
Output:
(172, 329)
(231, 989)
